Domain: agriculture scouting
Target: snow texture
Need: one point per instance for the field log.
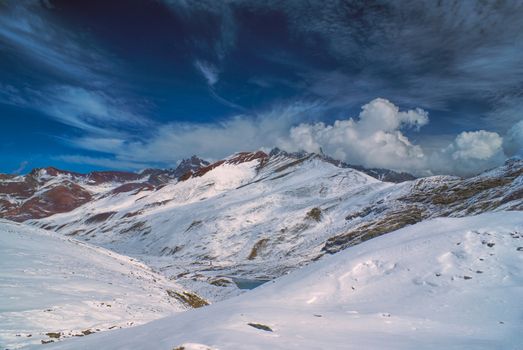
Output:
(55, 285)
(446, 283)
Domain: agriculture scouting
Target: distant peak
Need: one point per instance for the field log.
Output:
(279, 152)
(243, 157)
(193, 161)
(235, 159)
(514, 160)
(51, 171)
(189, 166)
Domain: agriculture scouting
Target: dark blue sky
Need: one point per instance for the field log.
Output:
(128, 84)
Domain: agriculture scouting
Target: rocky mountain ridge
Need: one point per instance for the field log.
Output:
(47, 191)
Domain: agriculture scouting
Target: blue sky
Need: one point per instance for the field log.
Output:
(422, 86)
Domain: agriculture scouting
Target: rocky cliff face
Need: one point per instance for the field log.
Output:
(48, 191)
(41, 193)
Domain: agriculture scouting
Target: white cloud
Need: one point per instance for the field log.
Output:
(91, 111)
(208, 71)
(374, 139)
(9, 94)
(172, 142)
(478, 145)
(100, 143)
(87, 109)
(513, 141)
(211, 73)
(26, 28)
(470, 153)
(109, 163)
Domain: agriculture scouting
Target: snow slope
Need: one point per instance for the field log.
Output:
(446, 283)
(207, 227)
(260, 217)
(51, 284)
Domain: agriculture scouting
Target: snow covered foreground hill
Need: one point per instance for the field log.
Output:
(446, 283)
(53, 287)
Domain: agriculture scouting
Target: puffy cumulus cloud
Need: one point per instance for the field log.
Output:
(381, 114)
(470, 153)
(477, 145)
(374, 139)
(513, 141)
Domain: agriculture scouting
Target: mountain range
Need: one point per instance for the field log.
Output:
(214, 229)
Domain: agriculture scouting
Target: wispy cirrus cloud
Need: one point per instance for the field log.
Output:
(223, 37)
(171, 142)
(72, 73)
(419, 53)
(208, 71)
(104, 162)
(91, 111)
(25, 28)
(211, 74)
(21, 167)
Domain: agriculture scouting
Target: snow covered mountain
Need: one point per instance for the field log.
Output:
(48, 191)
(446, 283)
(53, 287)
(257, 216)
(244, 220)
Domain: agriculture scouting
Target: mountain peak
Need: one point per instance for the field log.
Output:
(193, 162)
(189, 166)
(386, 175)
(243, 157)
(50, 171)
(279, 152)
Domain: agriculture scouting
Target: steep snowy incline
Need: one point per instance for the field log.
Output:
(54, 287)
(234, 219)
(446, 283)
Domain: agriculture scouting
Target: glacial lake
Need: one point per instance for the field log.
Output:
(245, 283)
